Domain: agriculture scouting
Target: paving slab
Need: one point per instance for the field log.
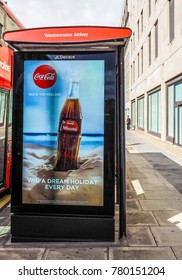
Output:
(146, 170)
(133, 204)
(129, 186)
(177, 252)
(21, 254)
(147, 253)
(134, 195)
(167, 167)
(155, 180)
(137, 161)
(153, 187)
(161, 204)
(164, 217)
(167, 194)
(167, 235)
(141, 175)
(137, 218)
(139, 236)
(76, 254)
(140, 218)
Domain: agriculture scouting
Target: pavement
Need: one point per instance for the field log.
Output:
(154, 212)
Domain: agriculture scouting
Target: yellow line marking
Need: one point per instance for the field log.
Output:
(4, 200)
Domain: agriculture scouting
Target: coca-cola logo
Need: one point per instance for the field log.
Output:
(44, 76)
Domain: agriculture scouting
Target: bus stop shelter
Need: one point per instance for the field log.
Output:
(75, 204)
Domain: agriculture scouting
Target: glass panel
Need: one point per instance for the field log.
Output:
(180, 125)
(178, 89)
(149, 112)
(2, 136)
(2, 108)
(10, 108)
(159, 111)
(141, 113)
(133, 113)
(176, 125)
(171, 111)
(154, 116)
(154, 112)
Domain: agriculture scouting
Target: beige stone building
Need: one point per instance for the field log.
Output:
(153, 68)
(8, 21)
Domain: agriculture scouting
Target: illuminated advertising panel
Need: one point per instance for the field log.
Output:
(63, 131)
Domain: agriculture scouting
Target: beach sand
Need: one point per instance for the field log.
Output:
(42, 185)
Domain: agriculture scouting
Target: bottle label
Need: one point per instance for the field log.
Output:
(70, 126)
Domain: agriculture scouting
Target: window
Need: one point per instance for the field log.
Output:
(154, 112)
(156, 40)
(149, 46)
(2, 107)
(171, 20)
(149, 7)
(170, 102)
(133, 41)
(138, 30)
(133, 113)
(140, 115)
(138, 58)
(133, 71)
(174, 110)
(141, 60)
(178, 92)
(141, 21)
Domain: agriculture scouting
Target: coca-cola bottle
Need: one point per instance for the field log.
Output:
(69, 131)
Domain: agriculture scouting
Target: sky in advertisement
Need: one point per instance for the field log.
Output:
(38, 13)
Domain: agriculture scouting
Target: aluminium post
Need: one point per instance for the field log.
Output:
(121, 156)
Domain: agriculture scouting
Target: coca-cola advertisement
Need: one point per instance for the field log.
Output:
(63, 131)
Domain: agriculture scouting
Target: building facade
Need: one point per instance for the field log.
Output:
(153, 68)
(8, 21)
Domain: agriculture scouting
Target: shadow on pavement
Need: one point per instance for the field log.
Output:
(169, 169)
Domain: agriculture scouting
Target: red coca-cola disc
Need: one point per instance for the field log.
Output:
(44, 76)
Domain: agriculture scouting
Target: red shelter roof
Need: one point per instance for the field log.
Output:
(67, 36)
